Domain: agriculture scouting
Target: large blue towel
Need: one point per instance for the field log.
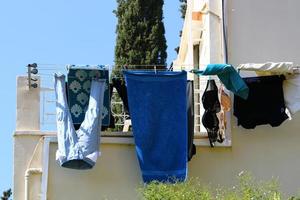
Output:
(157, 103)
(228, 76)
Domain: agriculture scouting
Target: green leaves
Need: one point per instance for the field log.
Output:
(183, 7)
(6, 194)
(140, 33)
(247, 188)
(190, 190)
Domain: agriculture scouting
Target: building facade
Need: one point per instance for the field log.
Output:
(257, 31)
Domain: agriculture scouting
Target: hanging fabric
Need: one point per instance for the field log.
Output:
(225, 102)
(291, 89)
(79, 83)
(291, 85)
(120, 86)
(212, 106)
(265, 104)
(78, 149)
(269, 68)
(112, 118)
(190, 119)
(228, 76)
(158, 109)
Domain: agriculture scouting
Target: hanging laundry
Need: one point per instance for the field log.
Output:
(225, 101)
(291, 90)
(212, 106)
(228, 76)
(265, 104)
(79, 83)
(78, 149)
(190, 119)
(112, 118)
(157, 102)
(269, 68)
(291, 86)
(120, 86)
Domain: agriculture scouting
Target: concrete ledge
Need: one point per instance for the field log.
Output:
(118, 138)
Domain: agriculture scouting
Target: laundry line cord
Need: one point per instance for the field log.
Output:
(56, 66)
(183, 67)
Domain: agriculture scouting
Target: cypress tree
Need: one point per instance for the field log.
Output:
(140, 33)
(140, 38)
(183, 7)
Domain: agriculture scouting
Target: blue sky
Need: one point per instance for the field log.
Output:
(58, 32)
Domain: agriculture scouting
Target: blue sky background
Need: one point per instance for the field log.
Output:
(58, 32)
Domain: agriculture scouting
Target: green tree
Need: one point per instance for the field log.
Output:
(182, 10)
(140, 33)
(140, 38)
(183, 7)
(6, 194)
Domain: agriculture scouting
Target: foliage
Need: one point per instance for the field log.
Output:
(140, 33)
(6, 194)
(183, 7)
(247, 188)
(189, 190)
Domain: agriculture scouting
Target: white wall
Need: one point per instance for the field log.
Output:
(258, 31)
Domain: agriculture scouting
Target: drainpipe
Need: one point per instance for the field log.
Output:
(29, 172)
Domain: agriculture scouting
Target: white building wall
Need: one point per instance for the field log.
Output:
(258, 31)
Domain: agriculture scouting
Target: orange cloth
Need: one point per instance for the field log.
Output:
(225, 101)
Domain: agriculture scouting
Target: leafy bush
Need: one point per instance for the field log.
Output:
(189, 190)
(247, 188)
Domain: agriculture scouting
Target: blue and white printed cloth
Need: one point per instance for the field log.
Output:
(79, 84)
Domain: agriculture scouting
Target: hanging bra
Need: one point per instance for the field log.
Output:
(212, 106)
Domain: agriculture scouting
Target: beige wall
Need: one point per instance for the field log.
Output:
(259, 31)
(115, 176)
(24, 146)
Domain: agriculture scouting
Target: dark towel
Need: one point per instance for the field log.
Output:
(190, 118)
(158, 109)
(121, 89)
(265, 104)
(112, 118)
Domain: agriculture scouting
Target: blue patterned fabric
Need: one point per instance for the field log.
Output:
(158, 109)
(79, 84)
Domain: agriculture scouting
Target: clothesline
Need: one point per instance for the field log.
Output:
(31, 77)
(46, 66)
